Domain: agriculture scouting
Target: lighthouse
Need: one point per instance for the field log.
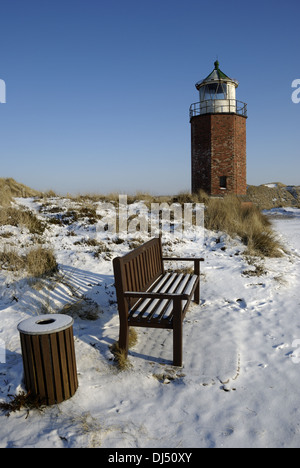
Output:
(218, 136)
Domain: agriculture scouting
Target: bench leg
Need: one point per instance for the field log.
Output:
(177, 334)
(197, 294)
(197, 272)
(124, 336)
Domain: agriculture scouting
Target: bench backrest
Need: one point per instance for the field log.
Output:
(137, 270)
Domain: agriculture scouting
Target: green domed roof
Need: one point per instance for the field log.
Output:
(215, 75)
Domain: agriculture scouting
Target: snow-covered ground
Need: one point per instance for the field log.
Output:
(239, 385)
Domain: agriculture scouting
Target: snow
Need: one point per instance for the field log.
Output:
(238, 387)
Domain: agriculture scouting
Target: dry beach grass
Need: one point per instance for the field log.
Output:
(222, 215)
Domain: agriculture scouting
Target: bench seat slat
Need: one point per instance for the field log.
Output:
(161, 287)
(156, 310)
(140, 306)
(169, 312)
(177, 289)
(164, 302)
(189, 287)
(176, 278)
(187, 283)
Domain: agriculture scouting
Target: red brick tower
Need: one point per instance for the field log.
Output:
(218, 137)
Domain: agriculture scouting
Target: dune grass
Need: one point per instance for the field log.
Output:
(38, 261)
(9, 188)
(247, 222)
(120, 357)
(227, 214)
(21, 217)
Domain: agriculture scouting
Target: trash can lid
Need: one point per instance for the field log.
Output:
(45, 324)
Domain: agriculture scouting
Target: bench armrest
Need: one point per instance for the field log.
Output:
(155, 295)
(184, 259)
(196, 261)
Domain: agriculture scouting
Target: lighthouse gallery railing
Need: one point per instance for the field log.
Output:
(216, 106)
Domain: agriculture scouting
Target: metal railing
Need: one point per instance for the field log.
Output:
(218, 106)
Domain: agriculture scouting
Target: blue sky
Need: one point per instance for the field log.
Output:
(98, 92)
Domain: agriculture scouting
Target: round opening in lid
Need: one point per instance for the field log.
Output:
(45, 322)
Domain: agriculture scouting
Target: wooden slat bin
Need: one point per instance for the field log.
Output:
(49, 357)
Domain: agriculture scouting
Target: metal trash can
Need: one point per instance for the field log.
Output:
(49, 357)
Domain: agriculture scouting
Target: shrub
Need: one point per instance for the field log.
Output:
(41, 261)
(247, 222)
(120, 355)
(23, 400)
(264, 243)
(5, 197)
(25, 218)
(83, 308)
(187, 197)
(11, 260)
(9, 188)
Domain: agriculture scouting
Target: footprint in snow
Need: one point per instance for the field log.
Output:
(281, 346)
(242, 303)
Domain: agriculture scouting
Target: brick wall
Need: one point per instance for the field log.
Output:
(201, 153)
(219, 150)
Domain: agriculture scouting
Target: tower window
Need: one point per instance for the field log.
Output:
(223, 182)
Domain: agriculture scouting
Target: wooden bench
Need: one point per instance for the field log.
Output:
(149, 297)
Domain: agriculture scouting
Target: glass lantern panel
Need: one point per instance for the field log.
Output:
(213, 91)
(221, 92)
